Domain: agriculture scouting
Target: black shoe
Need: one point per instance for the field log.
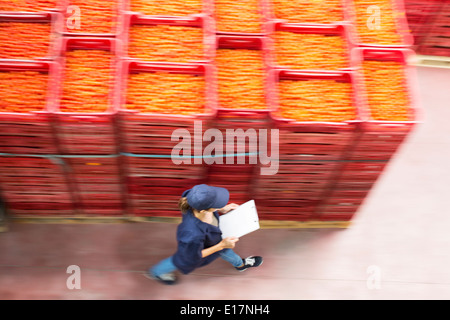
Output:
(252, 261)
(167, 278)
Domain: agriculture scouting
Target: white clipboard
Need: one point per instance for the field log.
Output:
(240, 221)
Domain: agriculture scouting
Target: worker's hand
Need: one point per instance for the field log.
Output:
(229, 242)
(228, 208)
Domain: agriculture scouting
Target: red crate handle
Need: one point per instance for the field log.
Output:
(39, 16)
(165, 66)
(338, 75)
(239, 42)
(10, 64)
(92, 43)
(383, 55)
(308, 28)
(225, 113)
(192, 20)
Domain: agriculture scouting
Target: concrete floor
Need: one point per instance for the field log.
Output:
(396, 248)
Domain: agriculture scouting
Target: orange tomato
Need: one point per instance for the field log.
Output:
(238, 16)
(166, 43)
(27, 6)
(316, 100)
(167, 8)
(24, 40)
(241, 75)
(387, 33)
(310, 51)
(87, 81)
(97, 16)
(23, 91)
(323, 11)
(165, 93)
(385, 84)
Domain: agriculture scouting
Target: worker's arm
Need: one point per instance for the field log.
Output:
(227, 243)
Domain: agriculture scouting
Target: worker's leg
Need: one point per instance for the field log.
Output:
(164, 271)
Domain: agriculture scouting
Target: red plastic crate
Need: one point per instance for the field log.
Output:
(400, 19)
(340, 29)
(88, 127)
(31, 132)
(139, 130)
(194, 21)
(312, 140)
(440, 30)
(434, 50)
(70, 15)
(236, 118)
(380, 139)
(51, 18)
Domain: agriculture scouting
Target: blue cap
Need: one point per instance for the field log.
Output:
(203, 197)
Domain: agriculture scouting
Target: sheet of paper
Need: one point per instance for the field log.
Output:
(241, 221)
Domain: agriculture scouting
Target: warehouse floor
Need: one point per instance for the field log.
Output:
(396, 248)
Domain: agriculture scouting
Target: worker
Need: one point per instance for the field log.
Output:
(199, 237)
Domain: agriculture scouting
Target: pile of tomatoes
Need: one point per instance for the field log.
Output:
(167, 8)
(315, 100)
(24, 40)
(96, 16)
(377, 26)
(23, 91)
(310, 51)
(385, 84)
(244, 16)
(87, 81)
(166, 43)
(324, 11)
(241, 78)
(27, 5)
(165, 93)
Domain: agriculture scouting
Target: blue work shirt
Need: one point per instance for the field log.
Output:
(194, 235)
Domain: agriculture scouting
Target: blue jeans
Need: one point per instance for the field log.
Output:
(167, 266)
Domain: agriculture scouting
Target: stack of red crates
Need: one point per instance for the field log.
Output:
(309, 151)
(239, 126)
(421, 15)
(88, 140)
(121, 157)
(376, 143)
(28, 132)
(155, 182)
(31, 181)
(97, 184)
(437, 40)
(81, 132)
(35, 185)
